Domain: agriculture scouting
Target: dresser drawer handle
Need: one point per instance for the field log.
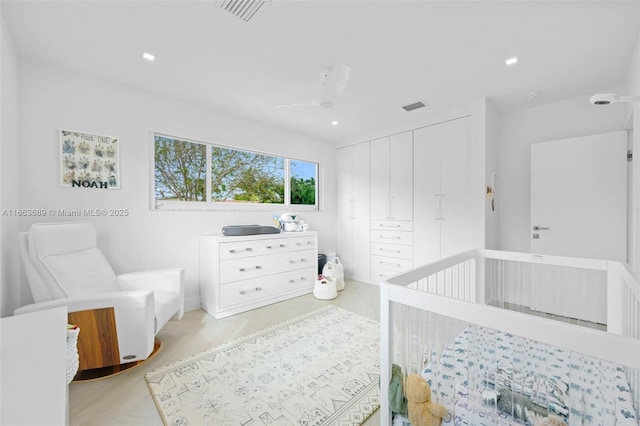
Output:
(308, 243)
(392, 237)
(235, 250)
(396, 265)
(250, 290)
(298, 260)
(299, 279)
(382, 225)
(281, 246)
(389, 251)
(249, 268)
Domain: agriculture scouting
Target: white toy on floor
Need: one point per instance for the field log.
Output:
(333, 268)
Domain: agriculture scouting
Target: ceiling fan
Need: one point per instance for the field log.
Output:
(334, 83)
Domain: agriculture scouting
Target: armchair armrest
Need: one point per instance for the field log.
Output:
(156, 280)
(139, 299)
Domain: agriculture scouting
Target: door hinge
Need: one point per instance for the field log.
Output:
(630, 155)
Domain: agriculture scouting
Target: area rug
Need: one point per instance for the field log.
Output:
(321, 368)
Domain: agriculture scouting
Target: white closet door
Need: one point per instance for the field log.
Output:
(380, 179)
(345, 208)
(455, 188)
(353, 210)
(401, 176)
(426, 166)
(361, 234)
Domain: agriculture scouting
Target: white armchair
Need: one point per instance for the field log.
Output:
(118, 316)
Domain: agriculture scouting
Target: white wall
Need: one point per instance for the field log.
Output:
(53, 98)
(518, 130)
(10, 293)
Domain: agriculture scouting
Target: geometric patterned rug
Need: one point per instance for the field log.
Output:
(318, 369)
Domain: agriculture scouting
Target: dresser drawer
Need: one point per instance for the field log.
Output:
(238, 249)
(303, 243)
(392, 250)
(298, 260)
(275, 246)
(392, 237)
(248, 267)
(252, 290)
(392, 225)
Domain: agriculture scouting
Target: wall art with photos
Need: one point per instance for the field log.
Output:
(88, 160)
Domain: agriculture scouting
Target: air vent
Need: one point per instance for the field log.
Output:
(243, 9)
(415, 105)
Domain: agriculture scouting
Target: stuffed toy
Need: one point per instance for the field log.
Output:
(551, 421)
(422, 412)
(397, 403)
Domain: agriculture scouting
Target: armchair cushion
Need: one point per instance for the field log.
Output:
(82, 273)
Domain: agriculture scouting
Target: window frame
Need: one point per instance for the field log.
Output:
(208, 204)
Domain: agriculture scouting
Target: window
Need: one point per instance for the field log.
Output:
(303, 182)
(199, 175)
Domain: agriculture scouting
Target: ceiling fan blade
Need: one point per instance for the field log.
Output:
(313, 103)
(339, 78)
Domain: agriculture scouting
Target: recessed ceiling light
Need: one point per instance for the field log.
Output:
(334, 123)
(511, 61)
(149, 56)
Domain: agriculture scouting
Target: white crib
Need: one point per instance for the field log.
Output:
(447, 321)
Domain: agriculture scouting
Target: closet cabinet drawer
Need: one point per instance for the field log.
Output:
(390, 263)
(392, 250)
(392, 225)
(385, 267)
(392, 237)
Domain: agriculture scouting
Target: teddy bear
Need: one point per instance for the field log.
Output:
(422, 412)
(551, 421)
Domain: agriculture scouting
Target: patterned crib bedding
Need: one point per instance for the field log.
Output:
(487, 377)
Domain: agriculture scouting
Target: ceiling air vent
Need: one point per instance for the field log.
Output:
(415, 105)
(243, 9)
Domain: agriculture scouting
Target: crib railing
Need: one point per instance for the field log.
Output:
(459, 287)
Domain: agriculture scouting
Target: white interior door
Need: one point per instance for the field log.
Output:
(579, 197)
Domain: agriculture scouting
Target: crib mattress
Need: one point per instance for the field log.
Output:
(485, 369)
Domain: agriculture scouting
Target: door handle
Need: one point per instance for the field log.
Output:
(540, 228)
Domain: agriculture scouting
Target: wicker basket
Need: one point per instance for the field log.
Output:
(73, 360)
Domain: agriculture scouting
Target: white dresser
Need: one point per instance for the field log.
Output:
(242, 273)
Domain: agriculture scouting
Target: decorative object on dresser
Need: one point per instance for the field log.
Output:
(245, 272)
(321, 369)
